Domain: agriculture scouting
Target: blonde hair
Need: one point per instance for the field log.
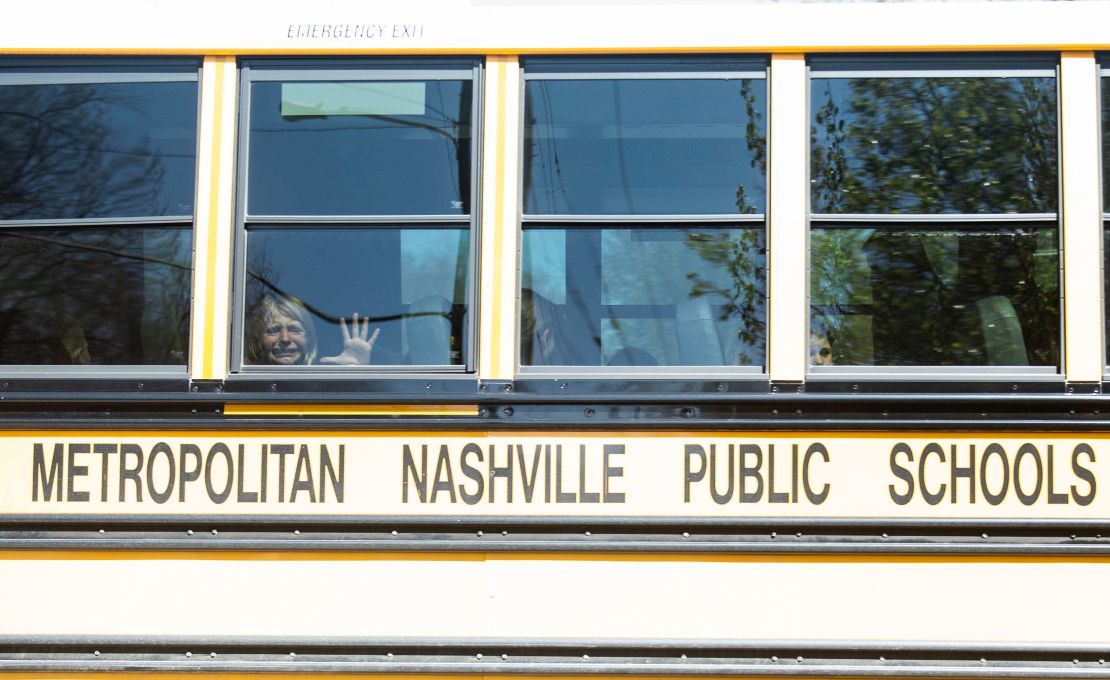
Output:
(263, 313)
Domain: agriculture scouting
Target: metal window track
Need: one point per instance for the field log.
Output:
(489, 656)
(780, 536)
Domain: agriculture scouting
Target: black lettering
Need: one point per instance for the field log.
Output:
(419, 477)
(328, 471)
(528, 482)
(471, 472)
(560, 495)
(241, 495)
(583, 495)
(612, 471)
(444, 482)
(1053, 497)
(547, 473)
(901, 473)
(721, 498)
(814, 498)
(691, 475)
(1083, 473)
(965, 472)
(161, 448)
(746, 472)
(219, 448)
(505, 472)
(104, 450)
(932, 448)
(281, 451)
(794, 473)
(40, 479)
(1027, 450)
(72, 471)
(772, 495)
(185, 474)
(994, 449)
(302, 476)
(130, 473)
(262, 477)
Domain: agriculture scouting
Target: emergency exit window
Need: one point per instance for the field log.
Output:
(356, 215)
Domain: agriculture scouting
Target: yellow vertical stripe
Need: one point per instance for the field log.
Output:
(498, 235)
(221, 65)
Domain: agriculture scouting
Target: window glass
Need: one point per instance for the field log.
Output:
(94, 295)
(356, 241)
(906, 297)
(633, 296)
(97, 164)
(360, 148)
(100, 150)
(409, 286)
(916, 255)
(641, 146)
(624, 162)
(1105, 87)
(934, 145)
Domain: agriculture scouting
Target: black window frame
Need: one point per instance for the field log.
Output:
(42, 70)
(1102, 62)
(654, 67)
(914, 65)
(391, 377)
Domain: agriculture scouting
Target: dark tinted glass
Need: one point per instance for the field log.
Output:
(409, 283)
(905, 296)
(629, 296)
(1106, 144)
(97, 150)
(933, 145)
(1105, 83)
(637, 147)
(94, 296)
(360, 148)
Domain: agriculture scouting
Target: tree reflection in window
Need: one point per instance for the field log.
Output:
(891, 293)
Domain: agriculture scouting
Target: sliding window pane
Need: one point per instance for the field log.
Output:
(933, 145)
(644, 146)
(360, 148)
(632, 296)
(95, 296)
(904, 296)
(97, 150)
(406, 284)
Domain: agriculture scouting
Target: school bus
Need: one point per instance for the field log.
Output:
(622, 338)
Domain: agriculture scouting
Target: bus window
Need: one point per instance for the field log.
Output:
(97, 163)
(933, 228)
(643, 230)
(357, 214)
(1105, 93)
